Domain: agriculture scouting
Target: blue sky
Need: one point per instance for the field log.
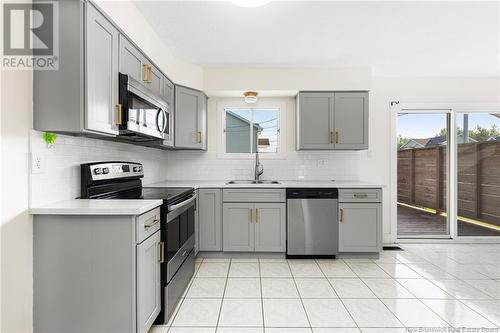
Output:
(426, 125)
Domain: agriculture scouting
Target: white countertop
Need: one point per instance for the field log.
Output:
(97, 207)
(282, 184)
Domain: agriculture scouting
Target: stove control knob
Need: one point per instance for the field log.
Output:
(105, 171)
(97, 171)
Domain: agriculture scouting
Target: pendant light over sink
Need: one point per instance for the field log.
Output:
(250, 97)
(250, 3)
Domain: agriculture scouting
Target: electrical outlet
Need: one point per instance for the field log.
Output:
(37, 163)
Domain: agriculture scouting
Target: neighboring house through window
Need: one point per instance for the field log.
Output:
(246, 129)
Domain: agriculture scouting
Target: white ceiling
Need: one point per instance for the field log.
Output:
(393, 38)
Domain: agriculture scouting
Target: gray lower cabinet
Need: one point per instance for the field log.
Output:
(270, 227)
(329, 120)
(190, 118)
(252, 227)
(238, 227)
(360, 227)
(148, 282)
(96, 273)
(210, 220)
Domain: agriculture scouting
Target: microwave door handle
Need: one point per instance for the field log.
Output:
(165, 121)
(158, 120)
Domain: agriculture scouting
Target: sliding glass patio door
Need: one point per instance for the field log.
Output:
(423, 174)
(478, 173)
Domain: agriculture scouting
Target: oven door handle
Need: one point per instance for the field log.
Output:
(182, 204)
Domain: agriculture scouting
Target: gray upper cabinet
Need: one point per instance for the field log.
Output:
(315, 120)
(360, 226)
(102, 73)
(210, 220)
(238, 227)
(190, 118)
(351, 120)
(332, 120)
(270, 227)
(148, 282)
(135, 64)
(168, 92)
(81, 96)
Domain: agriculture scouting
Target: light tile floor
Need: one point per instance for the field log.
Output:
(427, 285)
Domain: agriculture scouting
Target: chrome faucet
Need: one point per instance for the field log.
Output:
(259, 168)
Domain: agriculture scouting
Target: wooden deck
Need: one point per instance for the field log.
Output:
(417, 222)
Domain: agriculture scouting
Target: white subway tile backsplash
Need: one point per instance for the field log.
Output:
(61, 178)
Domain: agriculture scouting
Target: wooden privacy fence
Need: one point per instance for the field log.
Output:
(422, 174)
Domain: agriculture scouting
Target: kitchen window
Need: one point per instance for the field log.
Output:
(248, 128)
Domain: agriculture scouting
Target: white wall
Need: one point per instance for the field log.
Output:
(375, 163)
(126, 15)
(16, 223)
(219, 80)
(294, 165)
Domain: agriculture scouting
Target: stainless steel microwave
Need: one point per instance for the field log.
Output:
(146, 116)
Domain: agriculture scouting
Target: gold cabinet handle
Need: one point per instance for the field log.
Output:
(119, 116)
(256, 215)
(161, 257)
(146, 73)
(331, 137)
(337, 137)
(251, 215)
(198, 134)
(341, 215)
(155, 221)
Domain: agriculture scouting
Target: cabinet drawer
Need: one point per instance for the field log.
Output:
(360, 195)
(254, 195)
(147, 224)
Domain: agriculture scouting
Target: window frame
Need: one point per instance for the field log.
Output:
(222, 106)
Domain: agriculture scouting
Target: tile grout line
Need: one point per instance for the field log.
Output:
(223, 295)
(261, 298)
(298, 292)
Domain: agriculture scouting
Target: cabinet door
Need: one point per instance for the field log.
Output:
(131, 60)
(210, 219)
(315, 120)
(360, 226)
(351, 120)
(238, 228)
(270, 227)
(148, 282)
(189, 118)
(168, 93)
(102, 73)
(155, 84)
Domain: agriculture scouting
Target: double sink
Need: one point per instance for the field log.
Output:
(250, 182)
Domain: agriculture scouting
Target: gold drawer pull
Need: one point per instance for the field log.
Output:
(361, 195)
(337, 137)
(155, 221)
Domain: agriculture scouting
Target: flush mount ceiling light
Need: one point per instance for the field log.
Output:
(250, 97)
(250, 3)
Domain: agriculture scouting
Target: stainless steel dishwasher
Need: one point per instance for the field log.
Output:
(312, 223)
